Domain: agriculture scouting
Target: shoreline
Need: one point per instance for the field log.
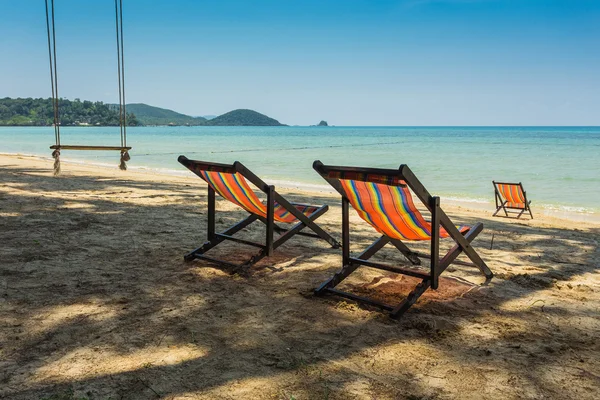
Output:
(470, 204)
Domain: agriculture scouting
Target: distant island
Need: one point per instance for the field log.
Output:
(243, 118)
(323, 123)
(39, 112)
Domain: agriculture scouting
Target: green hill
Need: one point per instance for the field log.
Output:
(243, 118)
(39, 112)
(149, 115)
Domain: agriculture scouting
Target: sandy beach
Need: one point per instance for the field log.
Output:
(96, 302)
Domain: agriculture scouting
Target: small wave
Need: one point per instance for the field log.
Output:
(466, 200)
(301, 185)
(568, 209)
(27, 155)
(161, 171)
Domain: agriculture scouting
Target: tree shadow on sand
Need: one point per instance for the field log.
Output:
(97, 300)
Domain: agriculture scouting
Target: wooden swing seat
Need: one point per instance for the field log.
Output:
(82, 147)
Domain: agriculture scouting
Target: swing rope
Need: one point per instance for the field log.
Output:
(54, 84)
(121, 73)
(124, 149)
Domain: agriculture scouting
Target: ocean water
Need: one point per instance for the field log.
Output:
(558, 166)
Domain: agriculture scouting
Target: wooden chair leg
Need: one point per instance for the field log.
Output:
(412, 256)
(411, 299)
(465, 246)
(336, 278)
(308, 221)
(216, 240)
(301, 225)
(350, 267)
(395, 311)
(500, 207)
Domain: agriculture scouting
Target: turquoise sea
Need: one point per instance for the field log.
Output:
(559, 166)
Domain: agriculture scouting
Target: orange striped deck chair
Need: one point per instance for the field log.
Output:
(382, 197)
(511, 198)
(231, 183)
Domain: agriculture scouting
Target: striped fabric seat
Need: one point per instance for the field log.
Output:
(390, 210)
(234, 188)
(512, 194)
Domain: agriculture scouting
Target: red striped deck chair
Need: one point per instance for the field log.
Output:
(510, 197)
(382, 197)
(231, 182)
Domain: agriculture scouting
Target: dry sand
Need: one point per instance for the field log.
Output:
(96, 302)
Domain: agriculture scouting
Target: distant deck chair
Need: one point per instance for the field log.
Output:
(509, 197)
(382, 198)
(229, 181)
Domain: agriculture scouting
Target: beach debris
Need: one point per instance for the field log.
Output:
(540, 301)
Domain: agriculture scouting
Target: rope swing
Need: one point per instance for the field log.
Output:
(123, 148)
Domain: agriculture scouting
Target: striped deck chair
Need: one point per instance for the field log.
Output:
(382, 198)
(231, 182)
(509, 197)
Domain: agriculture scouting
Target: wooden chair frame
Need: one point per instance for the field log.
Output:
(501, 203)
(429, 279)
(214, 238)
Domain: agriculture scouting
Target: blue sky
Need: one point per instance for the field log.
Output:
(352, 62)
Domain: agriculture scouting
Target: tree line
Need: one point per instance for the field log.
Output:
(39, 112)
